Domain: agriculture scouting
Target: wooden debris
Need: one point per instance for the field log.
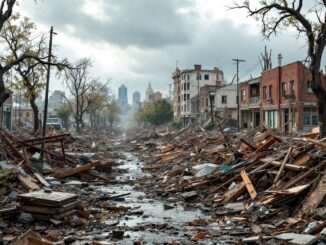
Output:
(28, 184)
(41, 179)
(48, 205)
(67, 173)
(282, 165)
(315, 197)
(249, 186)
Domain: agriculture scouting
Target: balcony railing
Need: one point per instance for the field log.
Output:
(254, 100)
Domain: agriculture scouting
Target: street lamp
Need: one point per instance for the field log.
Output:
(211, 98)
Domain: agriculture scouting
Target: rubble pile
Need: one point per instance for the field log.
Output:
(61, 195)
(258, 185)
(187, 186)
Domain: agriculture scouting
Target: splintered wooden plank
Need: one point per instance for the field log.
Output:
(316, 197)
(28, 184)
(249, 186)
(269, 143)
(282, 165)
(66, 173)
(292, 191)
(234, 193)
(299, 177)
(248, 144)
(287, 166)
(41, 179)
(318, 143)
(302, 160)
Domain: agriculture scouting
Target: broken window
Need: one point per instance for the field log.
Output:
(292, 87)
(283, 89)
(264, 93)
(270, 92)
(224, 99)
(310, 117)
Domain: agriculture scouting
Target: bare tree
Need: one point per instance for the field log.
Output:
(84, 90)
(310, 22)
(97, 96)
(77, 83)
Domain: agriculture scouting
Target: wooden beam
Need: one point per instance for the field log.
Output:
(282, 165)
(248, 144)
(66, 173)
(28, 184)
(249, 186)
(41, 179)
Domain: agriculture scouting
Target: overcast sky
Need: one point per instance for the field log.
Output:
(137, 41)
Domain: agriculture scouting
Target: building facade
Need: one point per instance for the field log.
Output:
(123, 96)
(250, 103)
(56, 99)
(155, 97)
(187, 84)
(136, 99)
(226, 101)
(281, 98)
(149, 92)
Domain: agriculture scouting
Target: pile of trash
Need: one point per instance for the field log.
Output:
(259, 185)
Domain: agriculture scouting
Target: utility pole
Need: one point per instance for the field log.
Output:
(47, 91)
(198, 99)
(238, 101)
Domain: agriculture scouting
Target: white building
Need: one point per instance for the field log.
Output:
(226, 101)
(187, 84)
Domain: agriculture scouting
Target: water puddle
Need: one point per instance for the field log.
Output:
(148, 219)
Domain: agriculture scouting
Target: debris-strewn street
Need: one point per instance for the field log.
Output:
(188, 186)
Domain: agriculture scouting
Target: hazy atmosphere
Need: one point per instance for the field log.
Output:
(162, 122)
(134, 42)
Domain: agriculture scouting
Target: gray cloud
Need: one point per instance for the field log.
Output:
(141, 23)
(161, 35)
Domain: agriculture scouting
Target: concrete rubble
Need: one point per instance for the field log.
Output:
(169, 186)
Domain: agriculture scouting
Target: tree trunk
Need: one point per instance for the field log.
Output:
(35, 112)
(321, 108)
(3, 93)
(320, 92)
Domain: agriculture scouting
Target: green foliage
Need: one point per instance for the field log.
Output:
(157, 113)
(64, 113)
(112, 112)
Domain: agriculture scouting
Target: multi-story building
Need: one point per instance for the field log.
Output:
(187, 84)
(24, 116)
(205, 106)
(282, 98)
(136, 100)
(155, 97)
(226, 101)
(123, 96)
(250, 103)
(149, 92)
(56, 99)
